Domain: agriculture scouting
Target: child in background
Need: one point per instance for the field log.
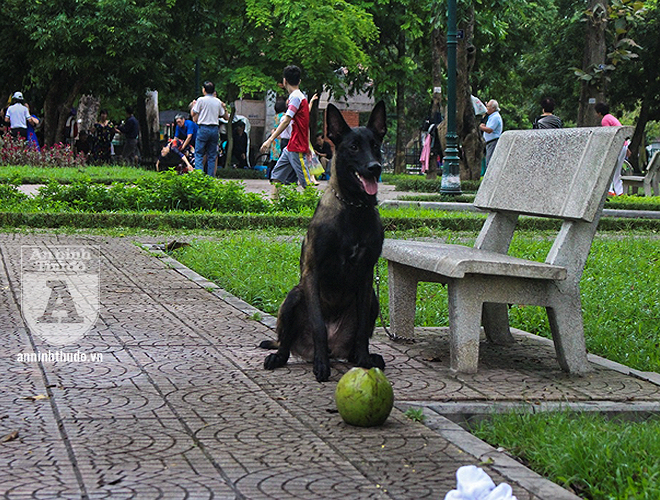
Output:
(291, 165)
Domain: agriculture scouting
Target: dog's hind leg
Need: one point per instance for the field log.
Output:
(365, 328)
(286, 330)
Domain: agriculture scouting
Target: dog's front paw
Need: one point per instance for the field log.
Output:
(275, 360)
(269, 344)
(372, 361)
(321, 370)
(377, 361)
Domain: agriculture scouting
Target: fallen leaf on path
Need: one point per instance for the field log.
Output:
(38, 397)
(9, 437)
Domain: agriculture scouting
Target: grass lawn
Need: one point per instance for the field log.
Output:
(597, 458)
(68, 175)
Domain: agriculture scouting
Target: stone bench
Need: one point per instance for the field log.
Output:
(648, 182)
(562, 174)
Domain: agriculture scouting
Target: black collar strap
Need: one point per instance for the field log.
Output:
(357, 205)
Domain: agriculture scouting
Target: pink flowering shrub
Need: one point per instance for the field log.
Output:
(16, 152)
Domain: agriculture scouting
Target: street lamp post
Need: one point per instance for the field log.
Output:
(451, 179)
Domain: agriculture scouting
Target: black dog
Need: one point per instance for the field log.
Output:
(333, 310)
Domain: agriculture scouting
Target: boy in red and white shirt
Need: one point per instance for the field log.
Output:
(290, 167)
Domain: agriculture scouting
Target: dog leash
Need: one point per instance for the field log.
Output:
(393, 336)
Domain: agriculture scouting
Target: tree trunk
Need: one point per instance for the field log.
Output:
(140, 112)
(638, 153)
(59, 99)
(65, 108)
(230, 139)
(466, 123)
(595, 51)
(150, 131)
(87, 114)
(52, 109)
(400, 157)
(314, 118)
(471, 143)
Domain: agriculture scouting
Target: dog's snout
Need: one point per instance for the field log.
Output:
(374, 168)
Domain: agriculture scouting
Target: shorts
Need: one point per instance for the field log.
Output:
(291, 168)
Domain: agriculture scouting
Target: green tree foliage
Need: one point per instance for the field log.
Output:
(525, 56)
(543, 44)
(400, 71)
(636, 86)
(515, 52)
(320, 35)
(621, 16)
(639, 83)
(252, 42)
(72, 46)
(481, 23)
(119, 48)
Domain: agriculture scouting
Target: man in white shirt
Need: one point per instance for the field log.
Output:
(206, 112)
(492, 129)
(17, 116)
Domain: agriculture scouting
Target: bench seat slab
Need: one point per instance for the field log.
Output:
(455, 261)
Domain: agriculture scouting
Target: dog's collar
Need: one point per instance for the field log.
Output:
(348, 202)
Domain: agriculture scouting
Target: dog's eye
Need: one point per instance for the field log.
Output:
(353, 147)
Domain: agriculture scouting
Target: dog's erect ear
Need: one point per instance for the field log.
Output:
(337, 126)
(378, 120)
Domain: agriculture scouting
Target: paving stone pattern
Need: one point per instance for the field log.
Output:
(180, 406)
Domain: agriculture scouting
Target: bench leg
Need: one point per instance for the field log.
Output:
(495, 318)
(566, 324)
(648, 190)
(464, 325)
(403, 296)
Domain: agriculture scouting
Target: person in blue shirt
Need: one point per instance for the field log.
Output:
(492, 129)
(32, 124)
(186, 130)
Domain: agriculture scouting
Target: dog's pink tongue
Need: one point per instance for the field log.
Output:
(370, 185)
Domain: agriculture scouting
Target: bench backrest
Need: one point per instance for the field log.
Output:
(560, 173)
(654, 165)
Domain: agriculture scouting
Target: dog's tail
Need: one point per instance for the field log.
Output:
(269, 344)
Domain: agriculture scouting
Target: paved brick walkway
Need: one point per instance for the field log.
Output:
(180, 406)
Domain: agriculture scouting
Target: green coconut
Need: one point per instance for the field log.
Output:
(364, 397)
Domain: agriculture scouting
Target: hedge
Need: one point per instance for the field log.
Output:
(200, 220)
